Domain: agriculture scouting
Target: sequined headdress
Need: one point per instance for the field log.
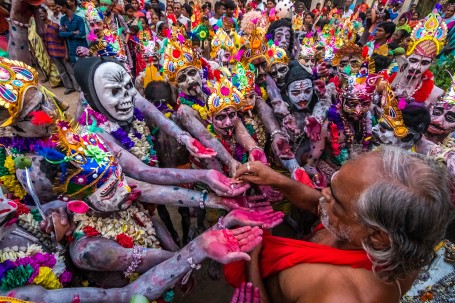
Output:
(428, 37)
(348, 49)
(276, 55)
(392, 113)
(85, 163)
(255, 46)
(224, 94)
(221, 40)
(15, 79)
(178, 57)
(243, 79)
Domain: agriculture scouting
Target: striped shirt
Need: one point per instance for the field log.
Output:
(54, 44)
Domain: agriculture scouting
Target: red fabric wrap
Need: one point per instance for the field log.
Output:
(427, 86)
(281, 253)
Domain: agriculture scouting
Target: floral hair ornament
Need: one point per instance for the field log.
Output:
(85, 164)
(392, 113)
(222, 41)
(224, 95)
(15, 80)
(243, 79)
(177, 57)
(428, 37)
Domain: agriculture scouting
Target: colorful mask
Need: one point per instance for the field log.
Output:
(243, 79)
(278, 64)
(222, 45)
(189, 81)
(349, 54)
(224, 95)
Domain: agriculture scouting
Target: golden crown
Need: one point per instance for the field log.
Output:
(177, 58)
(255, 46)
(392, 113)
(429, 36)
(243, 79)
(15, 79)
(224, 95)
(276, 55)
(348, 49)
(221, 40)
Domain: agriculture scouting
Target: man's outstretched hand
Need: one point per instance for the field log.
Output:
(257, 173)
(247, 293)
(226, 246)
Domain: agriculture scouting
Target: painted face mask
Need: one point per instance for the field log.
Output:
(352, 62)
(384, 134)
(308, 63)
(356, 108)
(224, 57)
(190, 82)
(115, 90)
(278, 73)
(283, 36)
(416, 66)
(442, 119)
(224, 121)
(300, 93)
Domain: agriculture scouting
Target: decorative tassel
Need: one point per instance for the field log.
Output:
(40, 118)
(402, 103)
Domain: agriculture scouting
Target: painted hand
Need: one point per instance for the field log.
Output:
(249, 217)
(226, 246)
(224, 186)
(57, 220)
(197, 149)
(135, 193)
(321, 70)
(82, 51)
(281, 148)
(247, 293)
(319, 88)
(257, 154)
(313, 128)
(290, 124)
(280, 108)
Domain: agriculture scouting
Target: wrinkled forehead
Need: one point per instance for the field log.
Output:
(301, 84)
(111, 72)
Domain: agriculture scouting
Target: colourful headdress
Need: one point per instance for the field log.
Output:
(348, 49)
(243, 79)
(92, 14)
(222, 41)
(224, 94)
(109, 45)
(360, 86)
(276, 55)
(392, 113)
(85, 163)
(255, 46)
(178, 57)
(428, 37)
(308, 47)
(297, 23)
(15, 79)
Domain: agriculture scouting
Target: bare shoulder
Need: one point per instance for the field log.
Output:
(329, 283)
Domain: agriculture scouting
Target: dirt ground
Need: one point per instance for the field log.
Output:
(205, 290)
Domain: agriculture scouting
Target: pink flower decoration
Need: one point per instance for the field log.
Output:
(224, 91)
(255, 21)
(402, 103)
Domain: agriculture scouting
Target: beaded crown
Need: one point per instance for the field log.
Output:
(276, 55)
(15, 79)
(91, 164)
(255, 46)
(428, 37)
(224, 95)
(221, 40)
(392, 113)
(243, 79)
(178, 57)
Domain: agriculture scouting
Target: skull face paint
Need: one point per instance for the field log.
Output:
(283, 36)
(112, 195)
(442, 119)
(300, 93)
(278, 73)
(190, 82)
(416, 66)
(308, 63)
(383, 134)
(224, 121)
(356, 108)
(115, 90)
(353, 61)
(33, 101)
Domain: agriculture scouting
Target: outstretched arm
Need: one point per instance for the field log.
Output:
(136, 169)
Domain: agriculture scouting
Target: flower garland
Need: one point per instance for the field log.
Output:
(240, 154)
(8, 175)
(137, 141)
(256, 128)
(261, 91)
(21, 266)
(130, 227)
(195, 103)
(165, 108)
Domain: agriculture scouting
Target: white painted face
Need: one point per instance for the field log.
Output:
(355, 62)
(224, 121)
(115, 90)
(383, 133)
(190, 81)
(33, 102)
(416, 66)
(224, 57)
(112, 195)
(283, 36)
(300, 93)
(442, 119)
(309, 62)
(278, 73)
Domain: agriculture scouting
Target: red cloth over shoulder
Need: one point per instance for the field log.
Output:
(281, 253)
